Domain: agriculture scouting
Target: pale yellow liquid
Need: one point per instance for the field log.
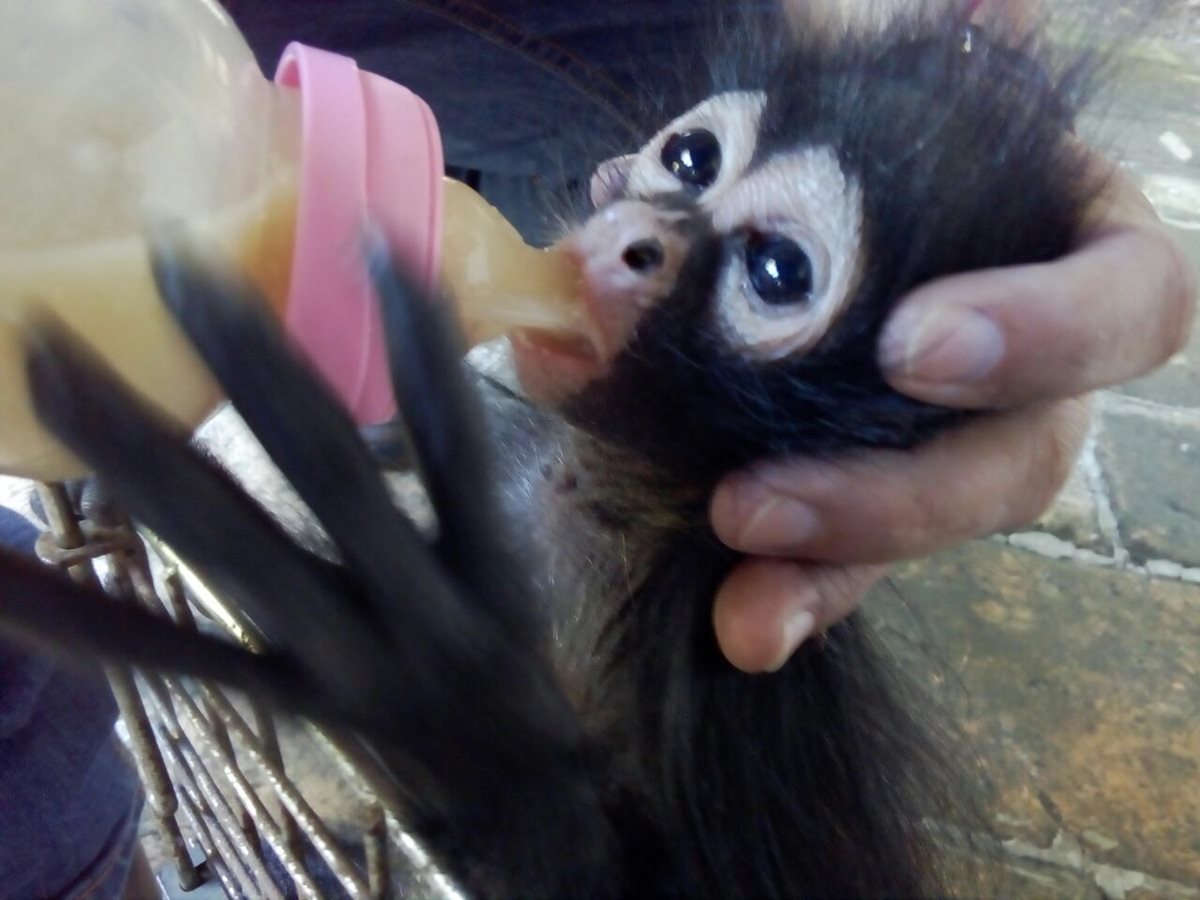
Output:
(105, 292)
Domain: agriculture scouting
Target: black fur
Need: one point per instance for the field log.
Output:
(645, 765)
(442, 674)
(963, 165)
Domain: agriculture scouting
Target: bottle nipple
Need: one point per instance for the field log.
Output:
(497, 282)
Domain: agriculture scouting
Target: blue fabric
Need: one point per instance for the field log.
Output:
(69, 801)
(23, 674)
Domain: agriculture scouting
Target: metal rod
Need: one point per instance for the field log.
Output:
(379, 874)
(235, 873)
(189, 752)
(160, 789)
(318, 833)
(68, 534)
(210, 802)
(268, 828)
(264, 727)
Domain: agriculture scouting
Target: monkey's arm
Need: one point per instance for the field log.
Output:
(431, 655)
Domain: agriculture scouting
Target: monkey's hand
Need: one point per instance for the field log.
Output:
(427, 653)
(1031, 340)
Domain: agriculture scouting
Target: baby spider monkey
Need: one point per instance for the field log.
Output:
(539, 680)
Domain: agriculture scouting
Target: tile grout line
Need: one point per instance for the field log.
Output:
(1051, 546)
(1114, 882)
(1125, 404)
(1097, 483)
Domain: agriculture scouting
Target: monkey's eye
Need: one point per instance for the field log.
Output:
(780, 272)
(694, 157)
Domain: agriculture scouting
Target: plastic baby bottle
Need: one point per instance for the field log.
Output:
(124, 113)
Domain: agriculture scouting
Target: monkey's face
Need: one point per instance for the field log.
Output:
(790, 233)
(703, 262)
(739, 267)
(713, 276)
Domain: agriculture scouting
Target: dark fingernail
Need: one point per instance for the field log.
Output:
(941, 346)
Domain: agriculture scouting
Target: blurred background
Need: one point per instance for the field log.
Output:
(1072, 650)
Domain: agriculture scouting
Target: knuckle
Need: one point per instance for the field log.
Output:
(1052, 456)
(840, 590)
(937, 519)
(911, 517)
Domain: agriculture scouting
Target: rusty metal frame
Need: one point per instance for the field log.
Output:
(191, 744)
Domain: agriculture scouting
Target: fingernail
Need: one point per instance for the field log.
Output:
(778, 525)
(795, 629)
(942, 346)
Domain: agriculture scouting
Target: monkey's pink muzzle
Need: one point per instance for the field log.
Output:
(371, 152)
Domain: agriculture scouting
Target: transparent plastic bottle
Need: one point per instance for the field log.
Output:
(124, 113)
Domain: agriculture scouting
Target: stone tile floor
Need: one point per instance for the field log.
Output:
(1074, 647)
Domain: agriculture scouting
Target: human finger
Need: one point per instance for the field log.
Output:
(1115, 308)
(767, 608)
(993, 475)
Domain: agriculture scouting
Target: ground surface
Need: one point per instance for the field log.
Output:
(1076, 645)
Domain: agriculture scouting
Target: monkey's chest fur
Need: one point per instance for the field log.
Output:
(589, 518)
(719, 782)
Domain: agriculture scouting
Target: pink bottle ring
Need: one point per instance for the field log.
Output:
(371, 151)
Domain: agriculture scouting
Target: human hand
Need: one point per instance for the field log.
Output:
(1032, 341)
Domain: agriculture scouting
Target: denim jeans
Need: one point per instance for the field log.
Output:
(69, 800)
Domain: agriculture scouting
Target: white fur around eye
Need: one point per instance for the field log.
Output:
(732, 117)
(806, 197)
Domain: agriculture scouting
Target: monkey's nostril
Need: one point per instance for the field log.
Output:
(643, 256)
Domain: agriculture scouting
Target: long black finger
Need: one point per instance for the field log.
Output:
(470, 704)
(445, 422)
(312, 440)
(40, 606)
(297, 601)
(441, 654)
